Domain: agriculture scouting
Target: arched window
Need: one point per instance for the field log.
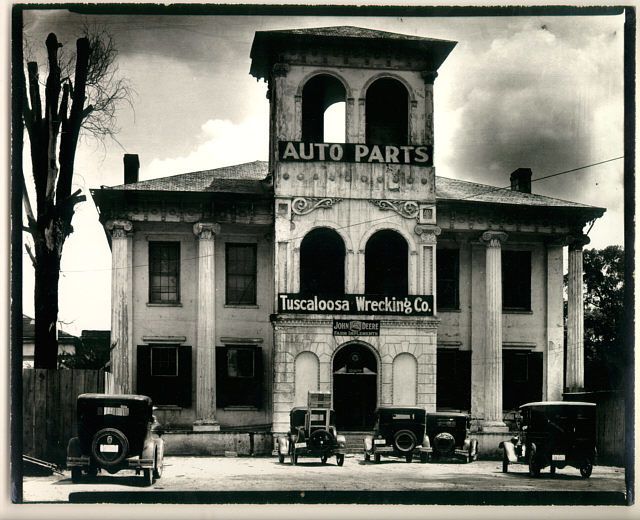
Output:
(387, 112)
(323, 110)
(322, 263)
(386, 264)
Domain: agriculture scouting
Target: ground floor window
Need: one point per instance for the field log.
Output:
(164, 374)
(453, 385)
(239, 376)
(521, 378)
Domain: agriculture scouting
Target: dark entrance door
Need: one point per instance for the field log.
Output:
(355, 389)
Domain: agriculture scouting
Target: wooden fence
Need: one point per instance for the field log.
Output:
(610, 418)
(49, 409)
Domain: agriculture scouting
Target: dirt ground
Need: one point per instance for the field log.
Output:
(266, 474)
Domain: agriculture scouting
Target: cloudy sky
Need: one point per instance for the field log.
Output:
(522, 91)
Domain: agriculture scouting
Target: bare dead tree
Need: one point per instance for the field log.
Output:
(81, 94)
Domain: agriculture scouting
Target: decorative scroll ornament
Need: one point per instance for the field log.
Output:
(305, 205)
(406, 209)
(119, 228)
(206, 230)
(428, 232)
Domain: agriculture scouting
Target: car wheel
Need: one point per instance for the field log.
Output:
(423, 458)
(113, 438)
(367, 457)
(158, 467)
(280, 458)
(92, 470)
(409, 457)
(294, 458)
(586, 469)
(552, 469)
(376, 457)
(473, 450)
(534, 468)
(505, 462)
(323, 459)
(147, 477)
(340, 459)
(76, 475)
(405, 441)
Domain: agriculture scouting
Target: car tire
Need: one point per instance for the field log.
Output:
(409, 457)
(586, 469)
(423, 458)
(92, 470)
(405, 441)
(76, 475)
(473, 450)
(534, 468)
(119, 438)
(280, 458)
(376, 458)
(552, 469)
(294, 459)
(367, 457)
(340, 459)
(158, 467)
(147, 477)
(505, 462)
(323, 459)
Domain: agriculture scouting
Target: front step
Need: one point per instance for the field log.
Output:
(355, 441)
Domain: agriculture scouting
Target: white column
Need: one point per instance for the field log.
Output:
(493, 332)
(206, 329)
(121, 307)
(554, 354)
(575, 316)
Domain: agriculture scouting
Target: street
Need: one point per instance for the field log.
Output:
(265, 480)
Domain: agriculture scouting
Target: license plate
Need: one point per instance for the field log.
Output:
(300, 444)
(379, 441)
(109, 448)
(557, 457)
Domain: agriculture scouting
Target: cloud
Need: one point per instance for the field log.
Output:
(220, 143)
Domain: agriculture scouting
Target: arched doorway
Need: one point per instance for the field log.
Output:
(355, 387)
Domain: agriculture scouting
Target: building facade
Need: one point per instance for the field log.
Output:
(345, 266)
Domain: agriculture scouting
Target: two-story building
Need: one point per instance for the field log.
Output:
(344, 266)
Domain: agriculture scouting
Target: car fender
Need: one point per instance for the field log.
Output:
(148, 450)
(426, 443)
(368, 442)
(510, 450)
(73, 448)
(466, 444)
(283, 445)
(341, 440)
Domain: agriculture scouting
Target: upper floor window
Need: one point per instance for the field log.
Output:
(322, 255)
(516, 280)
(164, 272)
(387, 112)
(447, 278)
(386, 264)
(323, 110)
(241, 274)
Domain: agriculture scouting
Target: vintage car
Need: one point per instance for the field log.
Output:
(554, 434)
(448, 437)
(116, 432)
(398, 432)
(312, 433)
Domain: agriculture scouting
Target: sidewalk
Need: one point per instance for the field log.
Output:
(264, 480)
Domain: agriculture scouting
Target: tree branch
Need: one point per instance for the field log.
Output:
(31, 255)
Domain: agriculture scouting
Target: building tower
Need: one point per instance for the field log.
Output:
(355, 217)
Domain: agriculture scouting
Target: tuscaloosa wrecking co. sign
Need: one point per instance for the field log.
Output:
(413, 305)
(419, 155)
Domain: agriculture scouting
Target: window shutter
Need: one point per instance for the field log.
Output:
(535, 376)
(143, 371)
(184, 385)
(221, 377)
(463, 363)
(258, 373)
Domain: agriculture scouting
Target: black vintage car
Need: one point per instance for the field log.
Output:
(115, 432)
(398, 432)
(448, 437)
(312, 433)
(554, 434)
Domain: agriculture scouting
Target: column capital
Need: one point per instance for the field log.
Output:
(493, 238)
(429, 76)
(206, 230)
(280, 69)
(577, 242)
(427, 232)
(119, 228)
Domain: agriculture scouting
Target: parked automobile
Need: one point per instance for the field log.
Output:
(448, 436)
(312, 433)
(115, 432)
(398, 432)
(555, 434)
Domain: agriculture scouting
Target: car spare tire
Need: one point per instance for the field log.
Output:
(109, 447)
(321, 439)
(405, 441)
(444, 444)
